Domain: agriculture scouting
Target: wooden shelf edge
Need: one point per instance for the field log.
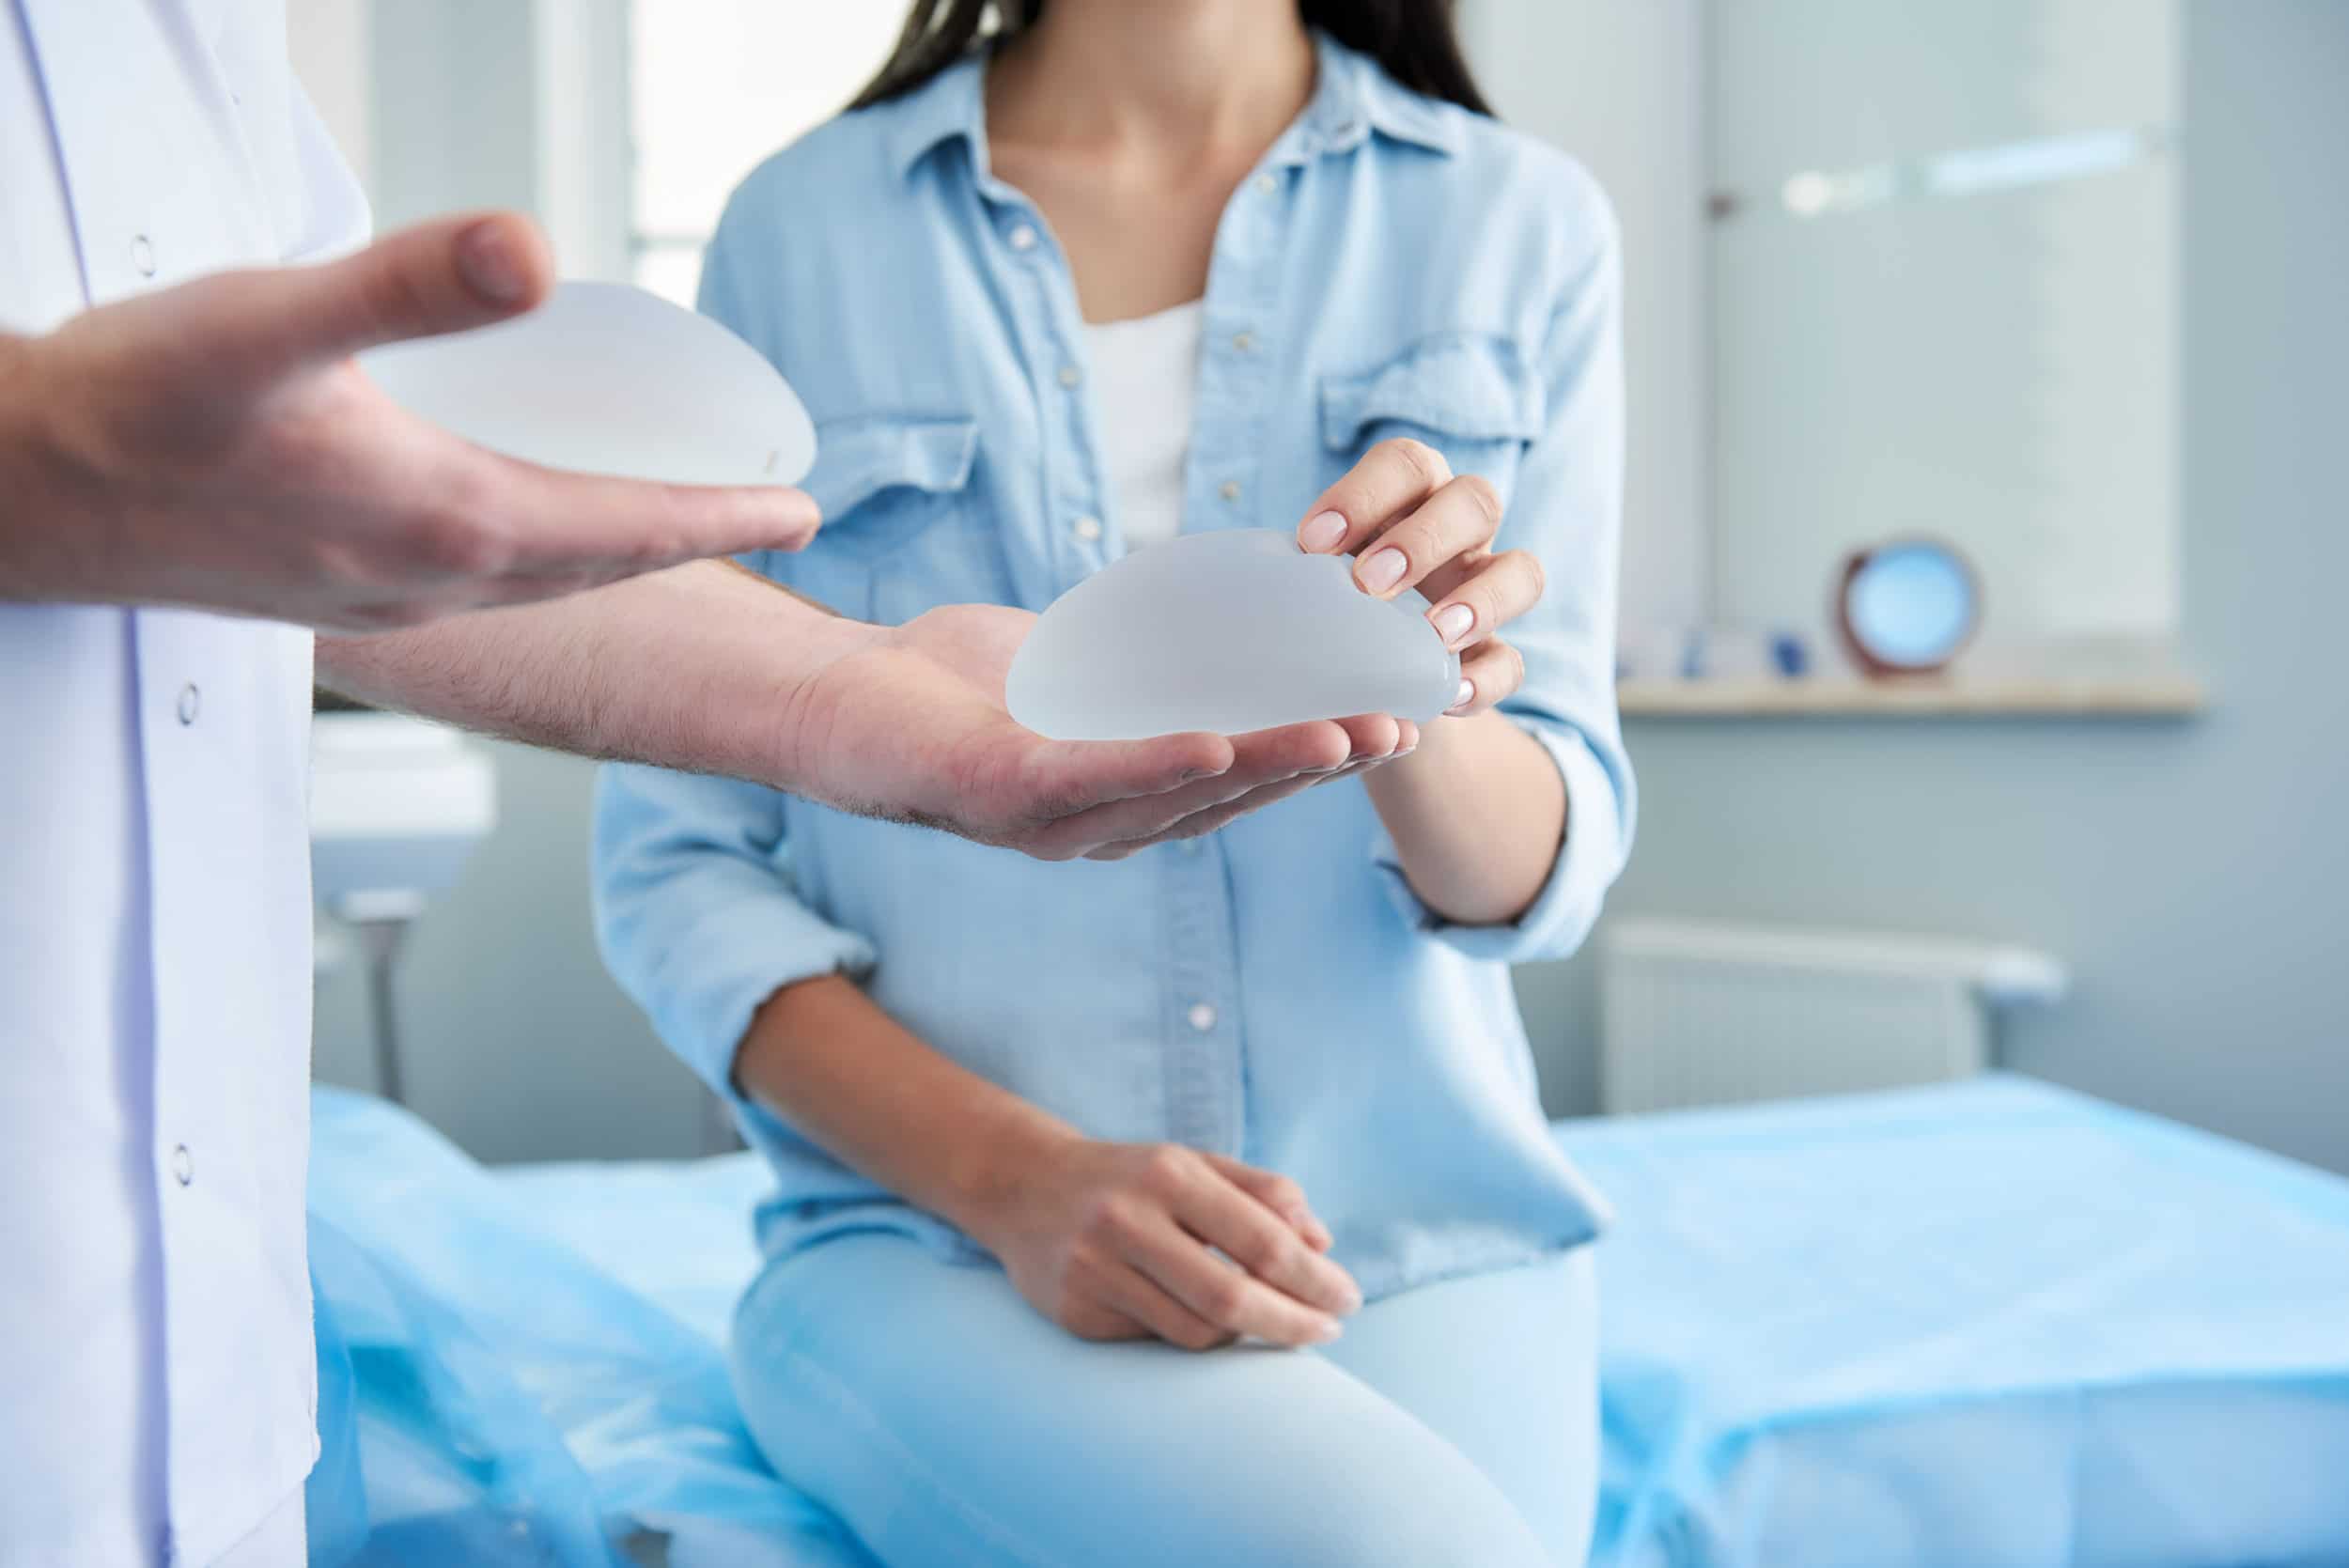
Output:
(2152, 696)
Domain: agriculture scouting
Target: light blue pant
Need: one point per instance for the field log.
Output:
(946, 1422)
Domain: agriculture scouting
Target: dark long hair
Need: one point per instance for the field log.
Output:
(1413, 41)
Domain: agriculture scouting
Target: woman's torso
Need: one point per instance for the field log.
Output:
(1389, 268)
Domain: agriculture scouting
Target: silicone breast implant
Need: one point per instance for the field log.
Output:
(607, 379)
(1227, 632)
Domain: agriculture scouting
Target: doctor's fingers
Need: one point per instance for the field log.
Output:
(1267, 757)
(1370, 739)
(449, 274)
(543, 524)
(456, 528)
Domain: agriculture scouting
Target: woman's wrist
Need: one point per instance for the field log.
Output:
(991, 1169)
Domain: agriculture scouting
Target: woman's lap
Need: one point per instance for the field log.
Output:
(946, 1422)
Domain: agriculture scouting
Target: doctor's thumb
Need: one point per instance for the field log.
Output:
(443, 276)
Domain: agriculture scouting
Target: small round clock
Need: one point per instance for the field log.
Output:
(1907, 606)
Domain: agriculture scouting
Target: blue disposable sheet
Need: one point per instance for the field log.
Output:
(489, 1395)
(1984, 1323)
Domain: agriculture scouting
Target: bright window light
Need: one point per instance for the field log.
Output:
(715, 86)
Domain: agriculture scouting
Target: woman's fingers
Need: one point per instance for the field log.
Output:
(1492, 592)
(1393, 478)
(1489, 671)
(1226, 1295)
(1276, 1192)
(1136, 1299)
(1221, 1213)
(1457, 520)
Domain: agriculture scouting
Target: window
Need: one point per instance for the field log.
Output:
(714, 87)
(1944, 302)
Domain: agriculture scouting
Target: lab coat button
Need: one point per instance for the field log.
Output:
(1229, 490)
(190, 703)
(1267, 184)
(1024, 237)
(1202, 1016)
(142, 255)
(1070, 376)
(183, 1166)
(1243, 341)
(1087, 529)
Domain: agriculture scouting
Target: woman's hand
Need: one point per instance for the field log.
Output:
(1120, 1241)
(1412, 525)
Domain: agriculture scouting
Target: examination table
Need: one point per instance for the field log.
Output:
(1984, 1323)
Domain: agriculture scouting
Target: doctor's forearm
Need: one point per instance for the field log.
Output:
(1477, 815)
(691, 668)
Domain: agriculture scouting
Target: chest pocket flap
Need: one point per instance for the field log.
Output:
(879, 477)
(1462, 384)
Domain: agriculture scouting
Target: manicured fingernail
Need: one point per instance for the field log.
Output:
(1454, 621)
(485, 254)
(1326, 1330)
(1322, 531)
(1382, 571)
(1468, 694)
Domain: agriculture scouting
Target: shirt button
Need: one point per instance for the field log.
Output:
(1191, 848)
(1024, 237)
(1071, 374)
(182, 1165)
(1267, 185)
(190, 703)
(1243, 341)
(1087, 529)
(1229, 490)
(1202, 1016)
(142, 255)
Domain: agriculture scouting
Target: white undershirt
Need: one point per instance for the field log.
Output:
(1146, 373)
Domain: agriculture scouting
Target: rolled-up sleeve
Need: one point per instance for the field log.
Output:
(696, 912)
(1566, 508)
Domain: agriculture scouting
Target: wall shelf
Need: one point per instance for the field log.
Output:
(2020, 696)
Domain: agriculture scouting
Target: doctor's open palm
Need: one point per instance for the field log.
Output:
(911, 725)
(214, 445)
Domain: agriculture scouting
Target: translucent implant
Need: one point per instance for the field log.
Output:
(607, 379)
(1230, 632)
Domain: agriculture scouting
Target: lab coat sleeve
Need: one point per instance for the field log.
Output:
(1566, 508)
(696, 912)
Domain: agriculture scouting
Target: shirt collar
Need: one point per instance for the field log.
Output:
(1352, 97)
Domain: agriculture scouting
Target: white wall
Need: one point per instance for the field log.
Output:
(1620, 84)
(2189, 873)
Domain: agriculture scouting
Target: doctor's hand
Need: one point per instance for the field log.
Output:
(214, 445)
(1121, 1241)
(910, 724)
(1413, 523)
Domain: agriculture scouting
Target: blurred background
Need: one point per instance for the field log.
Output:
(2056, 283)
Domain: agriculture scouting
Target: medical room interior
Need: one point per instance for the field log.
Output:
(1961, 1058)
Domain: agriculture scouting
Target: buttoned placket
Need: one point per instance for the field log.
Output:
(1204, 1048)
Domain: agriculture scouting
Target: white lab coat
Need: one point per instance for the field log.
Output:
(155, 1348)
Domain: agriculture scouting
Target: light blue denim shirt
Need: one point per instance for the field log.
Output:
(1274, 992)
